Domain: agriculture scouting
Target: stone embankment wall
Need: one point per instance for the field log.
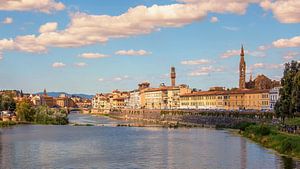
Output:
(197, 117)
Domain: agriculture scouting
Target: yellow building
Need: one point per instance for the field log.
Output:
(204, 100)
(164, 97)
(156, 98)
(101, 101)
(229, 100)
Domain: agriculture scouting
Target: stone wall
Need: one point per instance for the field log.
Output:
(204, 118)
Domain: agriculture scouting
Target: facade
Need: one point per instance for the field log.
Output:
(203, 100)
(47, 100)
(163, 97)
(274, 96)
(64, 101)
(134, 100)
(156, 98)
(227, 100)
(142, 88)
(101, 101)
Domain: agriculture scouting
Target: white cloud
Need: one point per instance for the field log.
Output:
(7, 20)
(231, 28)
(45, 6)
(6, 44)
(231, 53)
(205, 71)
(93, 55)
(214, 19)
(290, 55)
(286, 11)
(287, 43)
(266, 66)
(84, 29)
(48, 27)
(257, 54)
(132, 52)
(81, 64)
(100, 79)
(121, 78)
(195, 62)
(58, 65)
(264, 47)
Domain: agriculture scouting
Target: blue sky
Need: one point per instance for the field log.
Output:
(94, 54)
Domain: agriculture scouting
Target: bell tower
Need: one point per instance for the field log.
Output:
(242, 81)
(173, 76)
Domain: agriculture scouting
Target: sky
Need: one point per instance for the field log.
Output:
(97, 46)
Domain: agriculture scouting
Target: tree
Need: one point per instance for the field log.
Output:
(296, 93)
(289, 101)
(25, 112)
(7, 103)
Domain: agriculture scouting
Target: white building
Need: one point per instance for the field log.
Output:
(274, 96)
(134, 100)
(36, 100)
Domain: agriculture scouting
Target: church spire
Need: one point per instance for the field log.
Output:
(242, 51)
(242, 81)
(45, 92)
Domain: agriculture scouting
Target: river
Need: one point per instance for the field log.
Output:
(107, 146)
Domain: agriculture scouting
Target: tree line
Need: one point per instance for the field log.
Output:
(288, 104)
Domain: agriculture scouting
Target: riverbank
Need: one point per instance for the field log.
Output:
(7, 124)
(271, 137)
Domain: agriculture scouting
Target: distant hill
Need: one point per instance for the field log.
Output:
(56, 94)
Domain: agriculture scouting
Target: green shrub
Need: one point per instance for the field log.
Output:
(242, 125)
(261, 130)
(7, 123)
(287, 145)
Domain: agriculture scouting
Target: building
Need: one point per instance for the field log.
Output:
(261, 82)
(64, 101)
(227, 100)
(47, 100)
(101, 101)
(36, 100)
(204, 100)
(163, 97)
(134, 100)
(274, 96)
(142, 87)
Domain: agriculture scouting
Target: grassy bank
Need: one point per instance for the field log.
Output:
(7, 123)
(270, 137)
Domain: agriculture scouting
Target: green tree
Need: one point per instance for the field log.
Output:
(296, 93)
(289, 103)
(25, 112)
(7, 103)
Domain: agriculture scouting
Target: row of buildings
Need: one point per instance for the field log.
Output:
(260, 93)
(62, 101)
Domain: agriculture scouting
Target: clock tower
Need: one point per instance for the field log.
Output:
(242, 82)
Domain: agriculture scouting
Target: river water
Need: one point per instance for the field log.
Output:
(106, 146)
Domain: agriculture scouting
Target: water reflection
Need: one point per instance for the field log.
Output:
(123, 147)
